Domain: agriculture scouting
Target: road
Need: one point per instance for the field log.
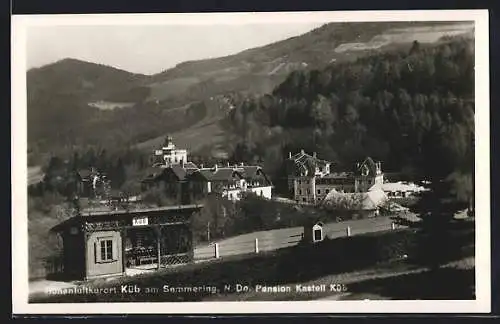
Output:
(286, 237)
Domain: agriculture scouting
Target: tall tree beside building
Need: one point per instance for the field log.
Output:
(437, 240)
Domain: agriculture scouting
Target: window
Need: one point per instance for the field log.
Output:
(104, 250)
(327, 190)
(107, 250)
(319, 191)
(304, 199)
(300, 191)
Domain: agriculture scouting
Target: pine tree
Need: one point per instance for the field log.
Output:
(436, 209)
(120, 175)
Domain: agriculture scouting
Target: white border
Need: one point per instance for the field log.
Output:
(19, 166)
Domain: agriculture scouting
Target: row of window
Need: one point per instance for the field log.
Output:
(238, 195)
(305, 199)
(309, 191)
(326, 191)
(336, 181)
(400, 193)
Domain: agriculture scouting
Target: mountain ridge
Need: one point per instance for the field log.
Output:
(64, 90)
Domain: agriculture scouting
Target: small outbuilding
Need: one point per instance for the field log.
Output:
(313, 232)
(106, 243)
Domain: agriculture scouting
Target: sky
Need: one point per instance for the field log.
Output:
(151, 49)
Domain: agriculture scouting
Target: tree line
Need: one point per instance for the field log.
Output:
(412, 110)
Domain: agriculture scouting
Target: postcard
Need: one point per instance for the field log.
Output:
(291, 162)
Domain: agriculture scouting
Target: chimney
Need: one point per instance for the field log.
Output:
(314, 154)
(289, 155)
(302, 151)
(182, 162)
(242, 164)
(201, 166)
(228, 164)
(215, 167)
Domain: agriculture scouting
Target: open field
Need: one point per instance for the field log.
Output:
(429, 34)
(206, 132)
(286, 237)
(107, 105)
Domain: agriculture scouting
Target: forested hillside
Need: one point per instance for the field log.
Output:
(413, 110)
(68, 94)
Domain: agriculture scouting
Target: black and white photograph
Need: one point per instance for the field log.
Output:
(180, 163)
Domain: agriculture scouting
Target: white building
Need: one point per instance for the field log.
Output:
(230, 182)
(368, 174)
(396, 190)
(311, 179)
(169, 154)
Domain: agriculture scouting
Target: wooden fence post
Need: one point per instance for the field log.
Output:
(393, 226)
(348, 230)
(256, 245)
(216, 245)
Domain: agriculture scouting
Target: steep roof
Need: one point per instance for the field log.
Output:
(179, 171)
(249, 171)
(153, 172)
(370, 164)
(301, 160)
(225, 174)
(190, 165)
(253, 172)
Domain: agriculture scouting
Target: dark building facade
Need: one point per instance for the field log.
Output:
(106, 243)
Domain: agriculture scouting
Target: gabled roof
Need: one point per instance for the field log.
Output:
(179, 171)
(370, 164)
(301, 160)
(153, 172)
(190, 165)
(225, 174)
(252, 172)
(219, 174)
(205, 173)
(249, 171)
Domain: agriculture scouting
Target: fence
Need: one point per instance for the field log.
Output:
(281, 239)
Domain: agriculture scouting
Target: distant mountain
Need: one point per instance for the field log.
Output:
(84, 80)
(260, 69)
(82, 98)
